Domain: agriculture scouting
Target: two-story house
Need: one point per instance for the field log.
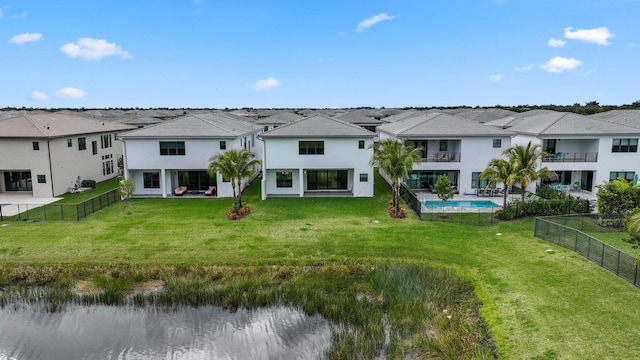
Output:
(582, 151)
(317, 155)
(162, 157)
(450, 145)
(45, 154)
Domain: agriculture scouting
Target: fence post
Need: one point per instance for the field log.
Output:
(589, 247)
(602, 256)
(618, 266)
(44, 211)
(62, 211)
(635, 277)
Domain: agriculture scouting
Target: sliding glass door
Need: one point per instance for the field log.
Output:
(327, 179)
(17, 180)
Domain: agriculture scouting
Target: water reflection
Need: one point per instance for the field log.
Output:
(103, 332)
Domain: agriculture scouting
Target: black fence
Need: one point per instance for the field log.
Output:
(552, 230)
(462, 215)
(410, 198)
(63, 212)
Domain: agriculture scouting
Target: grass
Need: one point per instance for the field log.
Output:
(538, 305)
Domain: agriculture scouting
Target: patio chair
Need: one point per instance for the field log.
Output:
(211, 191)
(180, 190)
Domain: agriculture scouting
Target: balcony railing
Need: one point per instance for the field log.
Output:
(443, 156)
(572, 157)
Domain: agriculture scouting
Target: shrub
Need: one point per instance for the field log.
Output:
(89, 183)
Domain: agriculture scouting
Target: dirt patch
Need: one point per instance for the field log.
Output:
(150, 287)
(85, 287)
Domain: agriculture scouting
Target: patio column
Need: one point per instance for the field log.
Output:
(301, 181)
(162, 183)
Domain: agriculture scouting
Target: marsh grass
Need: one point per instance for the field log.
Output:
(395, 292)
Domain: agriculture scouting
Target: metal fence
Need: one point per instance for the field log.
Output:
(410, 198)
(63, 212)
(462, 215)
(606, 256)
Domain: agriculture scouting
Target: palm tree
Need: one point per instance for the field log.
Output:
(235, 165)
(395, 158)
(524, 159)
(500, 171)
(245, 163)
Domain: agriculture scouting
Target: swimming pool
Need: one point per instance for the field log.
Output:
(470, 204)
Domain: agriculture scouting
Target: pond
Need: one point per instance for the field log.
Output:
(119, 332)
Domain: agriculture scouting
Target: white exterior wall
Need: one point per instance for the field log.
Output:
(281, 154)
(67, 163)
(475, 154)
(609, 161)
(143, 155)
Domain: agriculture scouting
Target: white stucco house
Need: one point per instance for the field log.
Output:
(162, 157)
(583, 151)
(44, 154)
(450, 145)
(317, 155)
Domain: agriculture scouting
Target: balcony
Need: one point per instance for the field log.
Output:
(572, 157)
(443, 156)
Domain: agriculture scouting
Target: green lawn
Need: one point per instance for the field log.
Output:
(538, 305)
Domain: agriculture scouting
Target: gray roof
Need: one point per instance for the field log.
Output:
(622, 117)
(279, 118)
(484, 115)
(554, 123)
(402, 115)
(439, 125)
(52, 125)
(209, 125)
(318, 126)
(359, 119)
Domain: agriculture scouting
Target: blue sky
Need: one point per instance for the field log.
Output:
(327, 53)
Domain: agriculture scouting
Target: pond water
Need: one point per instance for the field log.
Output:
(209, 332)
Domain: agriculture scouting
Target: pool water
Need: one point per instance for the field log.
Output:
(475, 204)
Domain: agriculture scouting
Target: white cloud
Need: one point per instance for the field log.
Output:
(70, 93)
(365, 24)
(265, 84)
(556, 43)
(93, 49)
(37, 95)
(495, 77)
(523, 68)
(560, 64)
(599, 35)
(26, 37)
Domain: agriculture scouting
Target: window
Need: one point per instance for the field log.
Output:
(94, 147)
(624, 145)
(105, 141)
(421, 144)
(497, 143)
(284, 179)
(364, 177)
(360, 144)
(151, 180)
(443, 145)
(82, 144)
(69, 143)
(107, 167)
(42, 179)
(223, 145)
(627, 175)
(477, 183)
(311, 147)
(36, 145)
(172, 148)
(265, 129)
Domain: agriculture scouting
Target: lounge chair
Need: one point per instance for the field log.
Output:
(180, 190)
(211, 191)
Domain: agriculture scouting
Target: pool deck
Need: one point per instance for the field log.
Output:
(428, 196)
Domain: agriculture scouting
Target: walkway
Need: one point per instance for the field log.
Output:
(13, 203)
